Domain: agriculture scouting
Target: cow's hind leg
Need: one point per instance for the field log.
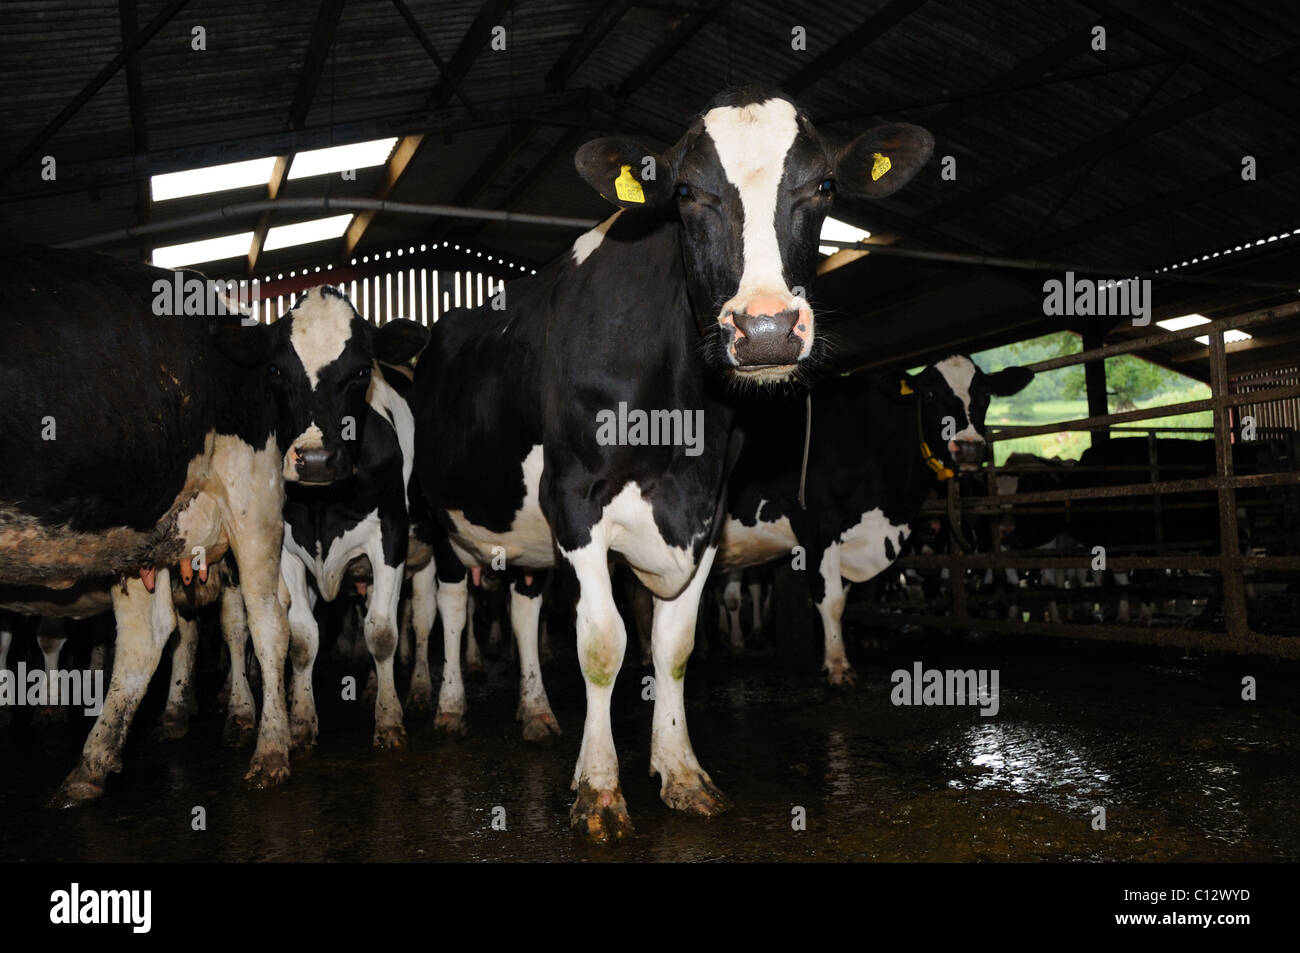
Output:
(684, 785)
(534, 707)
(51, 637)
(424, 610)
(175, 720)
(144, 622)
(381, 639)
(241, 709)
(830, 606)
(453, 597)
(304, 643)
(599, 813)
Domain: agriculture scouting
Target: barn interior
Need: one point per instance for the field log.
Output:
(1156, 140)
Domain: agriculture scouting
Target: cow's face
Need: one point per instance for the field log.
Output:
(318, 364)
(954, 396)
(751, 183)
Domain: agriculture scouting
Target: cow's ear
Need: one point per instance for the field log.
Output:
(1008, 381)
(882, 160)
(624, 172)
(400, 340)
(248, 345)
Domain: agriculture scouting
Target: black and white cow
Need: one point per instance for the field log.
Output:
(337, 527)
(129, 438)
(697, 290)
(346, 520)
(878, 447)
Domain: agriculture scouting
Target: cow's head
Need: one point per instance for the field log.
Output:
(318, 359)
(954, 396)
(751, 183)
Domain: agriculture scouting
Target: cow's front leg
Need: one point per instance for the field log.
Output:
(144, 622)
(453, 597)
(534, 707)
(599, 813)
(830, 606)
(51, 636)
(731, 596)
(424, 609)
(241, 709)
(684, 785)
(304, 643)
(381, 638)
(175, 720)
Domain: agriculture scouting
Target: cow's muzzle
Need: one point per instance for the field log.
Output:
(968, 454)
(316, 466)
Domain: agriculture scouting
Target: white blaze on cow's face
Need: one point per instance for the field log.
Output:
(323, 386)
(959, 372)
(768, 326)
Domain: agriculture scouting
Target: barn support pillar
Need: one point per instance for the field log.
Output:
(1095, 382)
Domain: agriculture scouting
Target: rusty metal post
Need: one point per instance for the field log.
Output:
(1153, 456)
(1234, 590)
(956, 559)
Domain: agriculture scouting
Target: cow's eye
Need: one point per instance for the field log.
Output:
(827, 187)
(684, 191)
(273, 372)
(363, 374)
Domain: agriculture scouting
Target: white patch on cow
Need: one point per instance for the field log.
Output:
(310, 439)
(744, 546)
(862, 546)
(322, 327)
(629, 525)
(589, 241)
(393, 407)
(960, 373)
(752, 143)
(328, 568)
(527, 543)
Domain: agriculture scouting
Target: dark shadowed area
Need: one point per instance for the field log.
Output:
(1185, 769)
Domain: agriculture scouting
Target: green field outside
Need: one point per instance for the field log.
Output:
(1069, 445)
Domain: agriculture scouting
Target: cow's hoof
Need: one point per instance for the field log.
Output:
(267, 771)
(238, 732)
(302, 737)
(75, 791)
(170, 729)
(600, 817)
(845, 678)
(541, 726)
(695, 794)
(451, 722)
(390, 736)
(419, 702)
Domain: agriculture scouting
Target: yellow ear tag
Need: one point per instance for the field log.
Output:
(880, 166)
(627, 188)
(904, 389)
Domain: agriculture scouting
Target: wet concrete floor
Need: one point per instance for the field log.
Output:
(1185, 769)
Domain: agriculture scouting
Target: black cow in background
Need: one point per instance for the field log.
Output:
(879, 445)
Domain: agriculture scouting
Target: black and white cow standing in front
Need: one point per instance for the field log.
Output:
(130, 437)
(878, 446)
(693, 294)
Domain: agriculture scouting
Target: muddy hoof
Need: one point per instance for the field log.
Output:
(845, 678)
(541, 726)
(238, 732)
(419, 703)
(74, 792)
(452, 722)
(170, 729)
(600, 817)
(302, 737)
(695, 794)
(267, 771)
(390, 736)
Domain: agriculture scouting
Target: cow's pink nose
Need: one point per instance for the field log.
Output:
(765, 304)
